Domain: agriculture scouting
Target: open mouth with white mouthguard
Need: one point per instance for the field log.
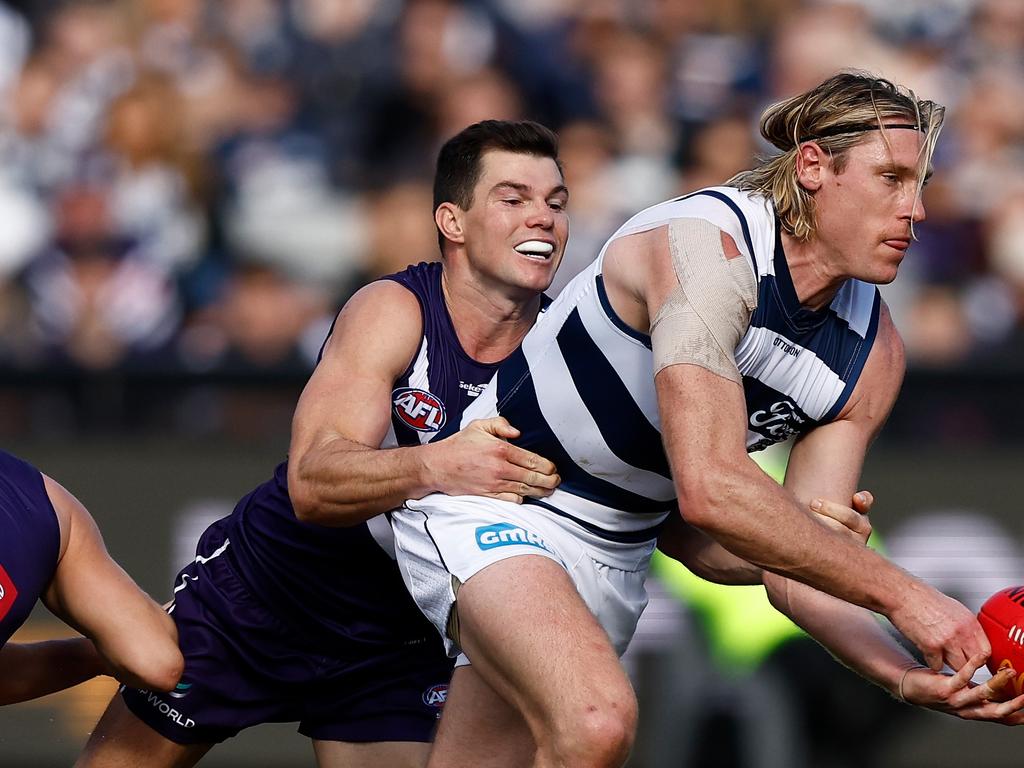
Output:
(536, 249)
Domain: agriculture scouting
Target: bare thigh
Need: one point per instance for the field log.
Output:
(121, 740)
(479, 728)
(533, 640)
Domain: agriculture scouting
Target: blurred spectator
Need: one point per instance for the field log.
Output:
(401, 230)
(291, 133)
(155, 180)
(265, 321)
(586, 149)
(484, 94)
(718, 151)
(632, 94)
(94, 301)
(437, 40)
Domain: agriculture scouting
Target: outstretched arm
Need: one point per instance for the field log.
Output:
(94, 595)
(856, 639)
(708, 559)
(31, 670)
(337, 475)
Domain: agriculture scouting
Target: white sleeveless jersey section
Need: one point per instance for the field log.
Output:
(582, 391)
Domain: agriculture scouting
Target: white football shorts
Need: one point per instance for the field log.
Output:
(440, 536)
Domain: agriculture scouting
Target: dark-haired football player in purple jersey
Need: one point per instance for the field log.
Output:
(51, 550)
(294, 608)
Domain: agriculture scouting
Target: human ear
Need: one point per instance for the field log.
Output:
(448, 218)
(810, 163)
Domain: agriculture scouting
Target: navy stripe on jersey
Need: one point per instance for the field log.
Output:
(323, 346)
(619, 419)
(795, 316)
(606, 305)
(524, 413)
(779, 418)
(852, 374)
(622, 537)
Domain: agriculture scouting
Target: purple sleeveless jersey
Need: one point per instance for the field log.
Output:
(29, 542)
(281, 620)
(337, 583)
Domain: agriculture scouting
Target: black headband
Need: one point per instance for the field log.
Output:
(836, 130)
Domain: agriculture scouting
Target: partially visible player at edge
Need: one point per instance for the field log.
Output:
(283, 619)
(51, 550)
(754, 308)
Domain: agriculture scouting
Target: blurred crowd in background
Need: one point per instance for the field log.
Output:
(198, 186)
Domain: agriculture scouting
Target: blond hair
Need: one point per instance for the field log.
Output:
(838, 114)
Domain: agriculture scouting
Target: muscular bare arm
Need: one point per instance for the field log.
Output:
(94, 595)
(722, 492)
(708, 559)
(338, 475)
(852, 634)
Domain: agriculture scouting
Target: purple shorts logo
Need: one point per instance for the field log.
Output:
(435, 695)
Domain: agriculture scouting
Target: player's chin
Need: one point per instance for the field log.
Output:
(539, 274)
(884, 271)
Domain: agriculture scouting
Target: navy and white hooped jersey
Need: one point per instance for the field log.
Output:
(581, 388)
(29, 542)
(343, 582)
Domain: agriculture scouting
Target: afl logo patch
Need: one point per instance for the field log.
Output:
(418, 409)
(436, 695)
(8, 593)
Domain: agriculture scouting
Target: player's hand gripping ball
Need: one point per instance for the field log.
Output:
(1002, 618)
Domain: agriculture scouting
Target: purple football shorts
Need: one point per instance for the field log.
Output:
(243, 667)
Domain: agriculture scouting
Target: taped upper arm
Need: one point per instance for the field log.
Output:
(703, 316)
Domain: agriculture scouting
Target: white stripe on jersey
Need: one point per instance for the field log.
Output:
(574, 427)
(632, 360)
(419, 378)
(850, 304)
(201, 560)
(380, 529)
(713, 210)
(803, 377)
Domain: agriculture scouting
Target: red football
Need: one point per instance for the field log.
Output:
(1002, 618)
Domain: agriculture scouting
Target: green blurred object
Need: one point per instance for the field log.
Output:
(741, 626)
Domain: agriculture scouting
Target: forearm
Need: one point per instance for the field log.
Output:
(31, 670)
(851, 634)
(762, 523)
(344, 483)
(704, 556)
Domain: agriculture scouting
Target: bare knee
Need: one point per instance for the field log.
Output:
(600, 734)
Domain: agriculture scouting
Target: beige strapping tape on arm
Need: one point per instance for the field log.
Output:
(706, 315)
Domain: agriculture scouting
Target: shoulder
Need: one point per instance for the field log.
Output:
(882, 377)
(382, 319)
(381, 304)
(68, 509)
